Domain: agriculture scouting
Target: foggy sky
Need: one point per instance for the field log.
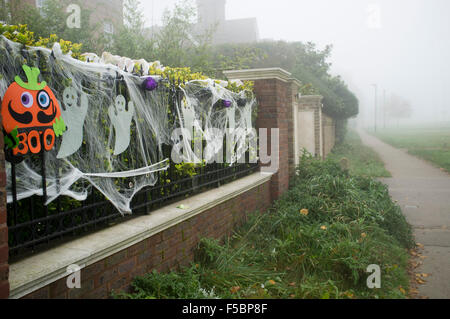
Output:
(404, 50)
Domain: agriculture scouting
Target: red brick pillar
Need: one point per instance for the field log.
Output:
(4, 267)
(274, 93)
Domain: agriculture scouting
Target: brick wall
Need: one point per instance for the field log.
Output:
(175, 246)
(167, 250)
(101, 10)
(4, 269)
(275, 111)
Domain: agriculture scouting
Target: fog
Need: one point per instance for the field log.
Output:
(400, 45)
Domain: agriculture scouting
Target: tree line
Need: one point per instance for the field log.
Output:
(176, 43)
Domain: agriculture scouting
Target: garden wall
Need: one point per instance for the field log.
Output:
(310, 122)
(166, 238)
(163, 251)
(329, 134)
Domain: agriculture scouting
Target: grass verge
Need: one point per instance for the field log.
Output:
(431, 144)
(316, 242)
(362, 160)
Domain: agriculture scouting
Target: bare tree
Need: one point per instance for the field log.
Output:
(398, 108)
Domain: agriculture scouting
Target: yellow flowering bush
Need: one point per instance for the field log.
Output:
(180, 76)
(21, 34)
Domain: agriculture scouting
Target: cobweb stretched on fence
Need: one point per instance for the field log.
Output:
(115, 128)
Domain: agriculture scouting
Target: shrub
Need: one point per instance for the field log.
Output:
(316, 242)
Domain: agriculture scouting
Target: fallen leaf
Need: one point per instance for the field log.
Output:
(292, 284)
(349, 294)
(420, 245)
(403, 291)
(323, 227)
(304, 212)
(420, 281)
(235, 289)
(272, 282)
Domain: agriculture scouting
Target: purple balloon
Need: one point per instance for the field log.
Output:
(150, 84)
(227, 103)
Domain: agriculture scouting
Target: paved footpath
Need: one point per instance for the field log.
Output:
(423, 192)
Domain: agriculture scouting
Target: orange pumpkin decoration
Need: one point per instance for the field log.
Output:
(31, 111)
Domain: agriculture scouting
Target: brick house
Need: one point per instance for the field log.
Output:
(107, 12)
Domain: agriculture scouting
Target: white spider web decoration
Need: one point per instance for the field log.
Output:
(116, 129)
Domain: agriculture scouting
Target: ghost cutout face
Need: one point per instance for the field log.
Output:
(120, 104)
(74, 115)
(70, 97)
(121, 121)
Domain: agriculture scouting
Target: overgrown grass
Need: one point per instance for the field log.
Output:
(362, 160)
(431, 144)
(316, 242)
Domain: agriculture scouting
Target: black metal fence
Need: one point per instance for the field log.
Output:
(66, 218)
(34, 226)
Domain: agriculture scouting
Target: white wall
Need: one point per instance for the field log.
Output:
(305, 135)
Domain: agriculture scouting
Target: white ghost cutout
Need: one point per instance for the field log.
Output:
(188, 116)
(73, 115)
(121, 120)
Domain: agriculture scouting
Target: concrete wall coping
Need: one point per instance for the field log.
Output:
(40, 270)
(311, 99)
(297, 82)
(259, 74)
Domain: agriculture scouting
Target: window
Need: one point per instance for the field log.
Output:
(108, 27)
(40, 3)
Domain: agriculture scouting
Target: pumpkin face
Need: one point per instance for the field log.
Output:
(31, 115)
(29, 109)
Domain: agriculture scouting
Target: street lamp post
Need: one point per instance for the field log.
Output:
(376, 102)
(384, 109)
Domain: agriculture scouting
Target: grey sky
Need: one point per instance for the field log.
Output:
(404, 49)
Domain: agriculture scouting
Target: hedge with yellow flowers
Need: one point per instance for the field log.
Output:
(21, 34)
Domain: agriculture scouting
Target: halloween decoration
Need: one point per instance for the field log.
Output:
(247, 115)
(150, 84)
(116, 130)
(31, 115)
(121, 117)
(231, 117)
(188, 115)
(227, 103)
(74, 111)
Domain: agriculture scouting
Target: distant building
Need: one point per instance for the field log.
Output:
(109, 13)
(211, 14)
